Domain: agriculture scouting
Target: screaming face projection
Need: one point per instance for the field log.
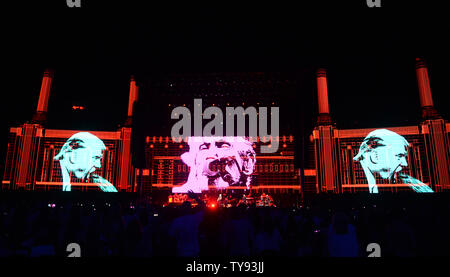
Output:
(219, 162)
(384, 153)
(81, 156)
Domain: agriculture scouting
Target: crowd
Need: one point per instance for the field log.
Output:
(113, 228)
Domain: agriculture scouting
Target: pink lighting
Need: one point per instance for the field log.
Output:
(45, 91)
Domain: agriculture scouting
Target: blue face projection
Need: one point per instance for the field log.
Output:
(384, 153)
(80, 157)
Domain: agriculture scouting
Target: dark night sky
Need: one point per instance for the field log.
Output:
(369, 55)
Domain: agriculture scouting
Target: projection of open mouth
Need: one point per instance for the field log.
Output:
(225, 168)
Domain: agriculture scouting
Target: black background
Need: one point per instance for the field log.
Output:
(369, 54)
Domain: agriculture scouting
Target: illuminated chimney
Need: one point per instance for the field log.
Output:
(134, 93)
(41, 112)
(423, 82)
(322, 97)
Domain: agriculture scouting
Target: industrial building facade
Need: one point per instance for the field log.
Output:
(427, 156)
(331, 168)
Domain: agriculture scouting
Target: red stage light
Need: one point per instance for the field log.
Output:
(77, 107)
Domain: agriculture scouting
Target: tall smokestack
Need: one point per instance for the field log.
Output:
(322, 97)
(41, 111)
(134, 94)
(423, 82)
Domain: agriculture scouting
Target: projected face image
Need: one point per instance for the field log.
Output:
(80, 157)
(84, 160)
(384, 153)
(217, 161)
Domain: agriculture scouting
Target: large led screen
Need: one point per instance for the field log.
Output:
(219, 162)
(385, 159)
